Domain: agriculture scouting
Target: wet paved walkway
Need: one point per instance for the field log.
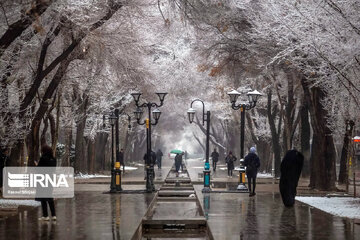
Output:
(237, 216)
(94, 215)
(89, 215)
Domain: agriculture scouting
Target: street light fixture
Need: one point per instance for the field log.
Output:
(206, 117)
(113, 118)
(191, 114)
(136, 96)
(138, 114)
(253, 97)
(161, 96)
(156, 113)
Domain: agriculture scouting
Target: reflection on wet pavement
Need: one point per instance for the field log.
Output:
(175, 210)
(237, 216)
(90, 215)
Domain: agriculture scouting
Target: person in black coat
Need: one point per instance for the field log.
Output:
(121, 159)
(215, 158)
(230, 159)
(290, 170)
(252, 164)
(47, 160)
(178, 162)
(159, 155)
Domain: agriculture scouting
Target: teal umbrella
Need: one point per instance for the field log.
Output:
(176, 151)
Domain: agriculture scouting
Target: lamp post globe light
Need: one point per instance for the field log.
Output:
(113, 118)
(206, 117)
(156, 113)
(253, 97)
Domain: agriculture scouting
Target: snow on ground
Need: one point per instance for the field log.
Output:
(338, 206)
(87, 176)
(264, 175)
(6, 203)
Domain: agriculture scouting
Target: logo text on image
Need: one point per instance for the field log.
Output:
(38, 182)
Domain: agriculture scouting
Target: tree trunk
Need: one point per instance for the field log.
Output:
(91, 156)
(15, 155)
(80, 146)
(100, 149)
(343, 174)
(305, 138)
(18, 27)
(68, 143)
(323, 154)
(55, 135)
(275, 134)
(33, 139)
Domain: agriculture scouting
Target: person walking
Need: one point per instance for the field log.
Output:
(178, 161)
(47, 159)
(122, 160)
(252, 164)
(215, 158)
(159, 155)
(290, 170)
(230, 159)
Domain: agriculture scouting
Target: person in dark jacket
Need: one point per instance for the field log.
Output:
(230, 159)
(121, 159)
(178, 162)
(47, 159)
(215, 158)
(252, 164)
(290, 170)
(159, 155)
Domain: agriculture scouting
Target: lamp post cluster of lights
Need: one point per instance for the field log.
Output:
(113, 118)
(206, 117)
(156, 113)
(253, 96)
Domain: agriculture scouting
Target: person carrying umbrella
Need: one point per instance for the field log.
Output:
(178, 160)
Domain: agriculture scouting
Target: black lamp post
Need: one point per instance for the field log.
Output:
(253, 96)
(113, 117)
(156, 113)
(206, 117)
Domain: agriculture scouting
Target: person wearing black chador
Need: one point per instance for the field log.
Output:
(290, 169)
(47, 159)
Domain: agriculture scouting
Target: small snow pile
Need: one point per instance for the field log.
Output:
(264, 175)
(128, 168)
(338, 206)
(6, 203)
(88, 176)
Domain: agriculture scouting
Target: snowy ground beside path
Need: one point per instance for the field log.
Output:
(88, 176)
(6, 203)
(338, 206)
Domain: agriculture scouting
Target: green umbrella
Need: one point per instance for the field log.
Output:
(176, 151)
